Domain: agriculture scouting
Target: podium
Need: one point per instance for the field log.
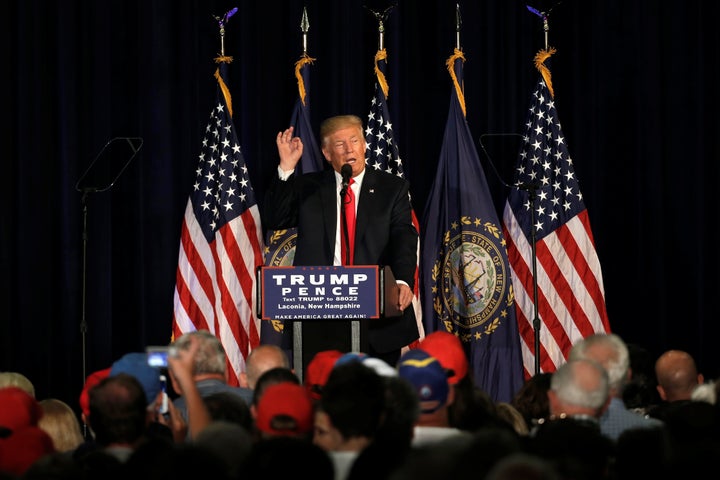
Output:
(351, 295)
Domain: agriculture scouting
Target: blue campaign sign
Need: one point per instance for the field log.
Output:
(323, 292)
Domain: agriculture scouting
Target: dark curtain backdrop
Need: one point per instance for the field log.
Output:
(636, 89)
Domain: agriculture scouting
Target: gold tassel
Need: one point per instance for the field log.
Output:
(304, 60)
(225, 90)
(450, 66)
(381, 55)
(540, 58)
(221, 82)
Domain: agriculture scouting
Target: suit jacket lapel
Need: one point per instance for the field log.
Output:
(368, 204)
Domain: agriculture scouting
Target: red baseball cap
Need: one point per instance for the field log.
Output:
(285, 409)
(92, 380)
(18, 409)
(449, 351)
(318, 371)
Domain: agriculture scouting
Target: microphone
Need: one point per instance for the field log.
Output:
(346, 173)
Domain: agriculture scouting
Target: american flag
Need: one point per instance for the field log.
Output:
(221, 242)
(383, 154)
(571, 297)
(467, 289)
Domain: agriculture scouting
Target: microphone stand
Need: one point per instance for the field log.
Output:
(531, 188)
(532, 195)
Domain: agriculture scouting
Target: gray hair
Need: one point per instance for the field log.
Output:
(210, 356)
(582, 383)
(610, 351)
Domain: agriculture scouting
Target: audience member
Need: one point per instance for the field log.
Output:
(640, 392)
(230, 441)
(522, 466)
(393, 440)
(507, 412)
(136, 364)
(285, 457)
(285, 409)
(84, 400)
(209, 370)
(22, 442)
(430, 381)
(349, 413)
(579, 388)
(261, 359)
(677, 378)
(610, 351)
(118, 414)
(318, 370)
(531, 400)
(62, 424)
(472, 408)
(571, 438)
(228, 407)
(17, 379)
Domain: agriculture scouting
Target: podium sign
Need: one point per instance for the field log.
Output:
(320, 292)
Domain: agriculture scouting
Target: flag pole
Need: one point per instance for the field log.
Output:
(458, 24)
(381, 17)
(532, 196)
(221, 23)
(304, 27)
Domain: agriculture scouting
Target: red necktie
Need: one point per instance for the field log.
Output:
(349, 206)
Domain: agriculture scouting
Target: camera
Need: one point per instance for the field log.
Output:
(163, 386)
(158, 356)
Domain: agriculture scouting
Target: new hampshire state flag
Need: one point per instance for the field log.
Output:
(467, 285)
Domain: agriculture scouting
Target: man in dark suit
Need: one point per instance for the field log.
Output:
(384, 233)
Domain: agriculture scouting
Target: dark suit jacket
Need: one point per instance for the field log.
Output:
(384, 234)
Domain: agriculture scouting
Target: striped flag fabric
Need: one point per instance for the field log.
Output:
(382, 153)
(467, 288)
(546, 199)
(280, 244)
(221, 241)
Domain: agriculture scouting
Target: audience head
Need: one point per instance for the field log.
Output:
(271, 377)
(285, 409)
(118, 410)
(136, 364)
(532, 399)
(677, 375)
(283, 457)
(449, 351)
(61, 423)
(229, 407)
(611, 352)
(351, 407)
(428, 378)
(91, 380)
(261, 359)
(210, 359)
(22, 442)
(318, 370)
(17, 379)
(579, 387)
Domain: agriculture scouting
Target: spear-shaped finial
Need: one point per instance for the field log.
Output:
(304, 27)
(545, 16)
(221, 23)
(381, 17)
(458, 24)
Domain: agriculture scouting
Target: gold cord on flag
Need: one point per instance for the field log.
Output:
(381, 55)
(540, 58)
(304, 60)
(451, 68)
(221, 82)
